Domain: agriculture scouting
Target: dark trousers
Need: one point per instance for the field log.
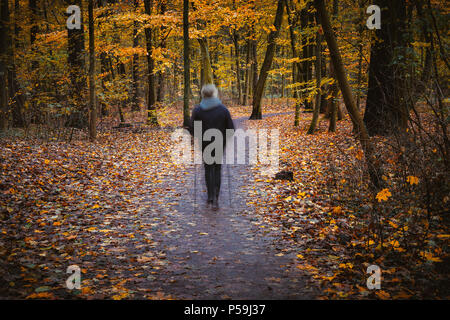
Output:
(213, 174)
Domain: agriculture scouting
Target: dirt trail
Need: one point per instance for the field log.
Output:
(220, 254)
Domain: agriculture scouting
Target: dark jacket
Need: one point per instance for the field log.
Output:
(213, 115)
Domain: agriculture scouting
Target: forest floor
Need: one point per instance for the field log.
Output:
(137, 224)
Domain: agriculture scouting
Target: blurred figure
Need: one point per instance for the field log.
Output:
(213, 115)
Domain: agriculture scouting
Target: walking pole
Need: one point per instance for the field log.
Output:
(229, 184)
(195, 187)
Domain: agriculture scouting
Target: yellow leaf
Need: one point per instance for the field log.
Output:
(383, 195)
(395, 243)
(412, 180)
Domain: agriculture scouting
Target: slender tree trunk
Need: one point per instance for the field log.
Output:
(296, 66)
(36, 85)
(361, 27)
(135, 65)
(105, 59)
(247, 75)
(318, 71)
(34, 28)
(238, 66)
(270, 51)
(15, 95)
(122, 103)
(254, 68)
(92, 106)
(333, 105)
(323, 95)
(374, 169)
(174, 89)
(187, 67)
(4, 48)
(305, 19)
(359, 78)
(151, 104)
(160, 89)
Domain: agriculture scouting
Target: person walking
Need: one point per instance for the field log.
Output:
(212, 114)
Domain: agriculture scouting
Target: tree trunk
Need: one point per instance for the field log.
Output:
(374, 169)
(254, 67)
(361, 27)
(160, 88)
(386, 109)
(34, 28)
(323, 94)
(151, 103)
(238, 66)
(187, 67)
(247, 75)
(270, 51)
(76, 64)
(333, 104)
(305, 19)
(36, 85)
(135, 65)
(359, 77)
(4, 48)
(296, 66)
(15, 95)
(318, 71)
(92, 106)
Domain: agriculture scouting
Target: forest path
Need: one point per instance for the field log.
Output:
(219, 254)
